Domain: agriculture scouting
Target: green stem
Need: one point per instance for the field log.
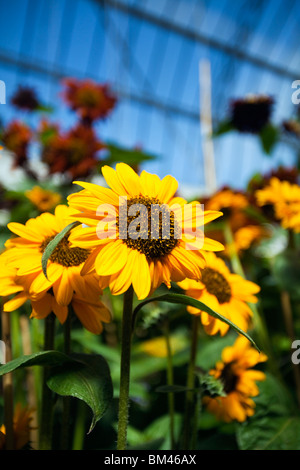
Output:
(189, 404)
(79, 429)
(258, 321)
(170, 380)
(7, 382)
(45, 441)
(125, 369)
(65, 427)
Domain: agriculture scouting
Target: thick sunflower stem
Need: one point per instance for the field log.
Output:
(65, 427)
(170, 383)
(8, 383)
(258, 320)
(45, 438)
(125, 369)
(190, 395)
(288, 319)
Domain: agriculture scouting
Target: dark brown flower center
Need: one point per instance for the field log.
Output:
(229, 378)
(148, 226)
(64, 254)
(216, 284)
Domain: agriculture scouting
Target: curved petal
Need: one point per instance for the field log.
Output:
(111, 258)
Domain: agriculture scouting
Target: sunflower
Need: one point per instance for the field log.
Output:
(22, 273)
(43, 199)
(143, 250)
(238, 377)
(227, 199)
(285, 199)
(22, 427)
(223, 292)
(157, 347)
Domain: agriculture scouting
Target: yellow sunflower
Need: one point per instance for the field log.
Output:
(140, 233)
(21, 428)
(226, 198)
(22, 273)
(285, 199)
(43, 199)
(157, 347)
(236, 372)
(224, 292)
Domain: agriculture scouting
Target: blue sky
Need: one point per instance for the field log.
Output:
(42, 40)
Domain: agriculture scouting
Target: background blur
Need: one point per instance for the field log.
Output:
(150, 51)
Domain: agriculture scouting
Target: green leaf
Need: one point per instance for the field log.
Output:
(270, 433)
(275, 424)
(53, 244)
(129, 156)
(223, 128)
(88, 379)
(45, 358)
(268, 137)
(84, 376)
(186, 300)
(211, 385)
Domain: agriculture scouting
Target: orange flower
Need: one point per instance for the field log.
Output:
(21, 428)
(224, 292)
(43, 199)
(238, 377)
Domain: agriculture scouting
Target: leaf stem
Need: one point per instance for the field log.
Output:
(45, 438)
(125, 369)
(189, 404)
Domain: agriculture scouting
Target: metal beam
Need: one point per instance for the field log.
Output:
(199, 37)
(58, 74)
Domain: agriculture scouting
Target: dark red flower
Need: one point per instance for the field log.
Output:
(25, 98)
(74, 152)
(90, 100)
(251, 114)
(16, 137)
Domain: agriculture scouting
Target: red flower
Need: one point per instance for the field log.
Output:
(25, 98)
(90, 100)
(16, 138)
(74, 152)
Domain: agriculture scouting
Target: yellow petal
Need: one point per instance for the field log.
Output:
(62, 289)
(129, 179)
(141, 280)
(15, 303)
(111, 258)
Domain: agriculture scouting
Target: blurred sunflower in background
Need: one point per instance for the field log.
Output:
(43, 199)
(224, 292)
(284, 197)
(22, 427)
(143, 260)
(238, 377)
